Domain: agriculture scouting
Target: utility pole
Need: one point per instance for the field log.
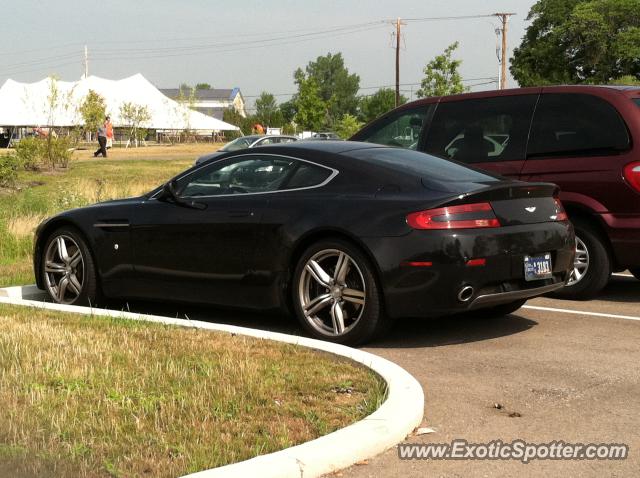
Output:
(504, 18)
(398, 33)
(86, 62)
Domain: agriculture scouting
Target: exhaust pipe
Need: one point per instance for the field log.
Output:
(465, 294)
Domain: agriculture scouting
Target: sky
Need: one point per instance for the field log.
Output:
(254, 45)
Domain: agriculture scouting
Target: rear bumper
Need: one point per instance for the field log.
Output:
(432, 291)
(490, 300)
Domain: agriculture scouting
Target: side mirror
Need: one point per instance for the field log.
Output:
(170, 193)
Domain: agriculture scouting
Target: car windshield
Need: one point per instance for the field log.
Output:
(422, 165)
(237, 144)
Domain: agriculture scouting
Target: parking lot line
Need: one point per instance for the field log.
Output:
(622, 274)
(581, 312)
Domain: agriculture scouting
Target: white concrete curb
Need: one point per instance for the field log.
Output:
(401, 412)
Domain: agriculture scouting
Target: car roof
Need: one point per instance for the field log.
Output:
(329, 146)
(623, 89)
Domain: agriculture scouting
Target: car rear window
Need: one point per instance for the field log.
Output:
(307, 175)
(421, 165)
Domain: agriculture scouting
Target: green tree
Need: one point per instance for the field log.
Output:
(134, 116)
(579, 41)
(311, 109)
(378, 104)
(267, 111)
(288, 110)
(441, 75)
(203, 86)
(336, 86)
(347, 126)
(231, 116)
(93, 111)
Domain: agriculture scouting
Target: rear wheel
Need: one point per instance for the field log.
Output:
(335, 294)
(68, 271)
(592, 265)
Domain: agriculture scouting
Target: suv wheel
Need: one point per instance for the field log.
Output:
(592, 265)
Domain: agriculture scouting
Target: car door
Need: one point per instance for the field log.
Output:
(487, 133)
(203, 251)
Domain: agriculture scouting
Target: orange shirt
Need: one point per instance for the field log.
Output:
(109, 130)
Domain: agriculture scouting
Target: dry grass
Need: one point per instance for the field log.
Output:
(25, 225)
(162, 151)
(96, 190)
(101, 397)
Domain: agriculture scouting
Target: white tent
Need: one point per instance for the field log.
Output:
(29, 104)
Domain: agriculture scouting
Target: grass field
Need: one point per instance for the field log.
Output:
(92, 396)
(126, 172)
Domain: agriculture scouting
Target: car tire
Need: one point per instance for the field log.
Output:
(498, 310)
(636, 272)
(67, 269)
(591, 249)
(341, 305)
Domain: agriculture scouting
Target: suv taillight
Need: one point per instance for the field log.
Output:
(465, 216)
(632, 175)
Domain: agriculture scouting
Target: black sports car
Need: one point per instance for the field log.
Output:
(346, 235)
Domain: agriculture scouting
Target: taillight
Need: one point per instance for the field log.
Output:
(465, 216)
(561, 214)
(632, 175)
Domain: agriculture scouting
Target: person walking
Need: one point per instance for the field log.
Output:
(109, 127)
(102, 141)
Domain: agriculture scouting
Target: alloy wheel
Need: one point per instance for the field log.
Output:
(64, 269)
(580, 263)
(332, 292)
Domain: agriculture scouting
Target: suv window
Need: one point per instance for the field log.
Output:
(400, 129)
(481, 130)
(253, 174)
(576, 125)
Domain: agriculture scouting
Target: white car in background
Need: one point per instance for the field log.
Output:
(244, 142)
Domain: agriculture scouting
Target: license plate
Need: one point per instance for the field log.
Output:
(537, 267)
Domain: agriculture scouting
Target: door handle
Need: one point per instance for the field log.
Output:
(240, 213)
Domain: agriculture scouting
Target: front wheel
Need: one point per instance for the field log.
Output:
(68, 270)
(335, 294)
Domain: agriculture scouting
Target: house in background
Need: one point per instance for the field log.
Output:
(212, 101)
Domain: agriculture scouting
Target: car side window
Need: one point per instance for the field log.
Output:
(481, 130)
(573, 125)
(250, 174)
(400, 129)
(306, 176)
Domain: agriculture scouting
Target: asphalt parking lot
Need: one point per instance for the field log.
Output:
(556, 372)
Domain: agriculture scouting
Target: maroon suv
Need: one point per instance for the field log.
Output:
(586, 139)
